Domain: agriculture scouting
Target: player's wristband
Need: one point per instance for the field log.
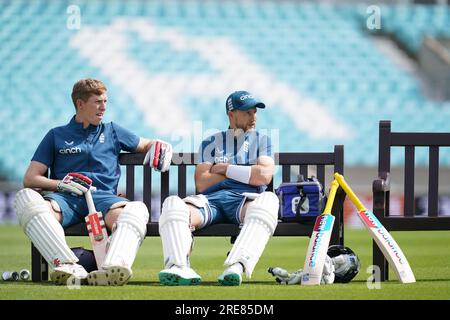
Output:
(239, 173)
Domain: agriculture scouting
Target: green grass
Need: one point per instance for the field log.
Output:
(427, 253)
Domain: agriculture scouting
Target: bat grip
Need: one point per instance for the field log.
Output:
(331, 196)
(359, 205)
(90, 201)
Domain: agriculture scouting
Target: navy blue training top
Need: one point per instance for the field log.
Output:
(91, 151)
(224, 147)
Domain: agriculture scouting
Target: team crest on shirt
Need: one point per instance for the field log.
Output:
(245, 146)
(101, 138)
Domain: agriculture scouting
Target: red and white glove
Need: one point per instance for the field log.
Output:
(159, 156)
(74, 183)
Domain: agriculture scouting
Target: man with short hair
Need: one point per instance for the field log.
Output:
(235, 167)
(90, 147)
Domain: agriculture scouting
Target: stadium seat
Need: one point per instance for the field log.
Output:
(322, 52)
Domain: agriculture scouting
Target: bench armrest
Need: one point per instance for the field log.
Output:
(380, 189)
(382, 183)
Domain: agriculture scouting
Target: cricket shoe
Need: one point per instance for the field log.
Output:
(231, 276)
(69, 274)
(110, 276)
(179, 276)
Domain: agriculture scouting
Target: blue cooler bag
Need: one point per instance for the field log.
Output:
(301, 201)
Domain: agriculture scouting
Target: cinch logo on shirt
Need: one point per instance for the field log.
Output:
(220, 158)
(72, 150)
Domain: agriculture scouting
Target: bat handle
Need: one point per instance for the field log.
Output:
(90, 201)
(331, 196)
(359, 205)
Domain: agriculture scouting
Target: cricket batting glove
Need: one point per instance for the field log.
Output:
(159, 156)
(284, 277)
(74, 183)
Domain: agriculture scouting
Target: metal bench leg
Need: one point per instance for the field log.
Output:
(39, 267)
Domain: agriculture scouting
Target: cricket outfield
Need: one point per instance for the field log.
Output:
(427, 253)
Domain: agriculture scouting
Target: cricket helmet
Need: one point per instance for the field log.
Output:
(346, 263)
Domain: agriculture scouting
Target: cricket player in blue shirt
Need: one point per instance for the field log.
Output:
(235, 167)
(88, 146)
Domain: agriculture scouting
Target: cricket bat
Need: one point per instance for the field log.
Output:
(382, 237)
(319, 241)
(97, 230)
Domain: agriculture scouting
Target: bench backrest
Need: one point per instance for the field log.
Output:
(286, 160)
(410, 140)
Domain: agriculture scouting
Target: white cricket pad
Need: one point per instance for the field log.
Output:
(130, 231)
(42, 228)
(175, 232)
(260, 223)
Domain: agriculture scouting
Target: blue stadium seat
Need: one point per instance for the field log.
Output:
(323, 52)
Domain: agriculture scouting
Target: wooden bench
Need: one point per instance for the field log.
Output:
(286, 160)
(392, 221)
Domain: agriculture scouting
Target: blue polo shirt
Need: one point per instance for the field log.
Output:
(245, 149)
(91, 151)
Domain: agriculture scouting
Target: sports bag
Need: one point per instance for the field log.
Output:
(301, 201)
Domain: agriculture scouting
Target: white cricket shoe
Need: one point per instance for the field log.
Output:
(110, 276)
(71, 272)
(231, 276)
(179, 276)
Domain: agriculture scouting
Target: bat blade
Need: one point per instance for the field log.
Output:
(317, 250)
(391, 250)
(318, 244)
(98, 236)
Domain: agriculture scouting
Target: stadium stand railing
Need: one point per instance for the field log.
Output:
(321, 160)
(409, 221)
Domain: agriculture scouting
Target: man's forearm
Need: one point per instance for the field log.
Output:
(207, 179)
(261, 175)
(40, 182)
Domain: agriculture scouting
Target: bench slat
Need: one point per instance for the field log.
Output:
(433, 182)
(164, 186)
(130, 183)
(286, 173)
(409, 181)
(147, 186)
(321, 174)
(182, 181)
(304, 170)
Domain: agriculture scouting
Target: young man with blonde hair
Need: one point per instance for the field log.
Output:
(90, 147)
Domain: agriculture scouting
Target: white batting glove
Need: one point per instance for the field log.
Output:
(159, 156)
(74, 183)
(284, 277)
(328, 272)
